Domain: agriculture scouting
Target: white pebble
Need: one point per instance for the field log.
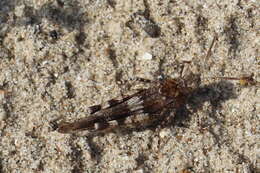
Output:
(147, 56)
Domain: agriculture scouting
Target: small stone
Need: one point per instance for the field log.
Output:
(2, 114)
(164, 132)
(147, 56)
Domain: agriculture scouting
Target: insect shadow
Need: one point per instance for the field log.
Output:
(215, 94)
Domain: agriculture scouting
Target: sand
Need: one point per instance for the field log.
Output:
(57, 58)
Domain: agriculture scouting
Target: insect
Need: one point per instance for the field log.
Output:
(244, 81)
(145, 107)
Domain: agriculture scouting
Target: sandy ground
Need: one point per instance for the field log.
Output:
(57, 58)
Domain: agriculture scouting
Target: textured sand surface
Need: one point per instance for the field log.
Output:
(57, 58)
